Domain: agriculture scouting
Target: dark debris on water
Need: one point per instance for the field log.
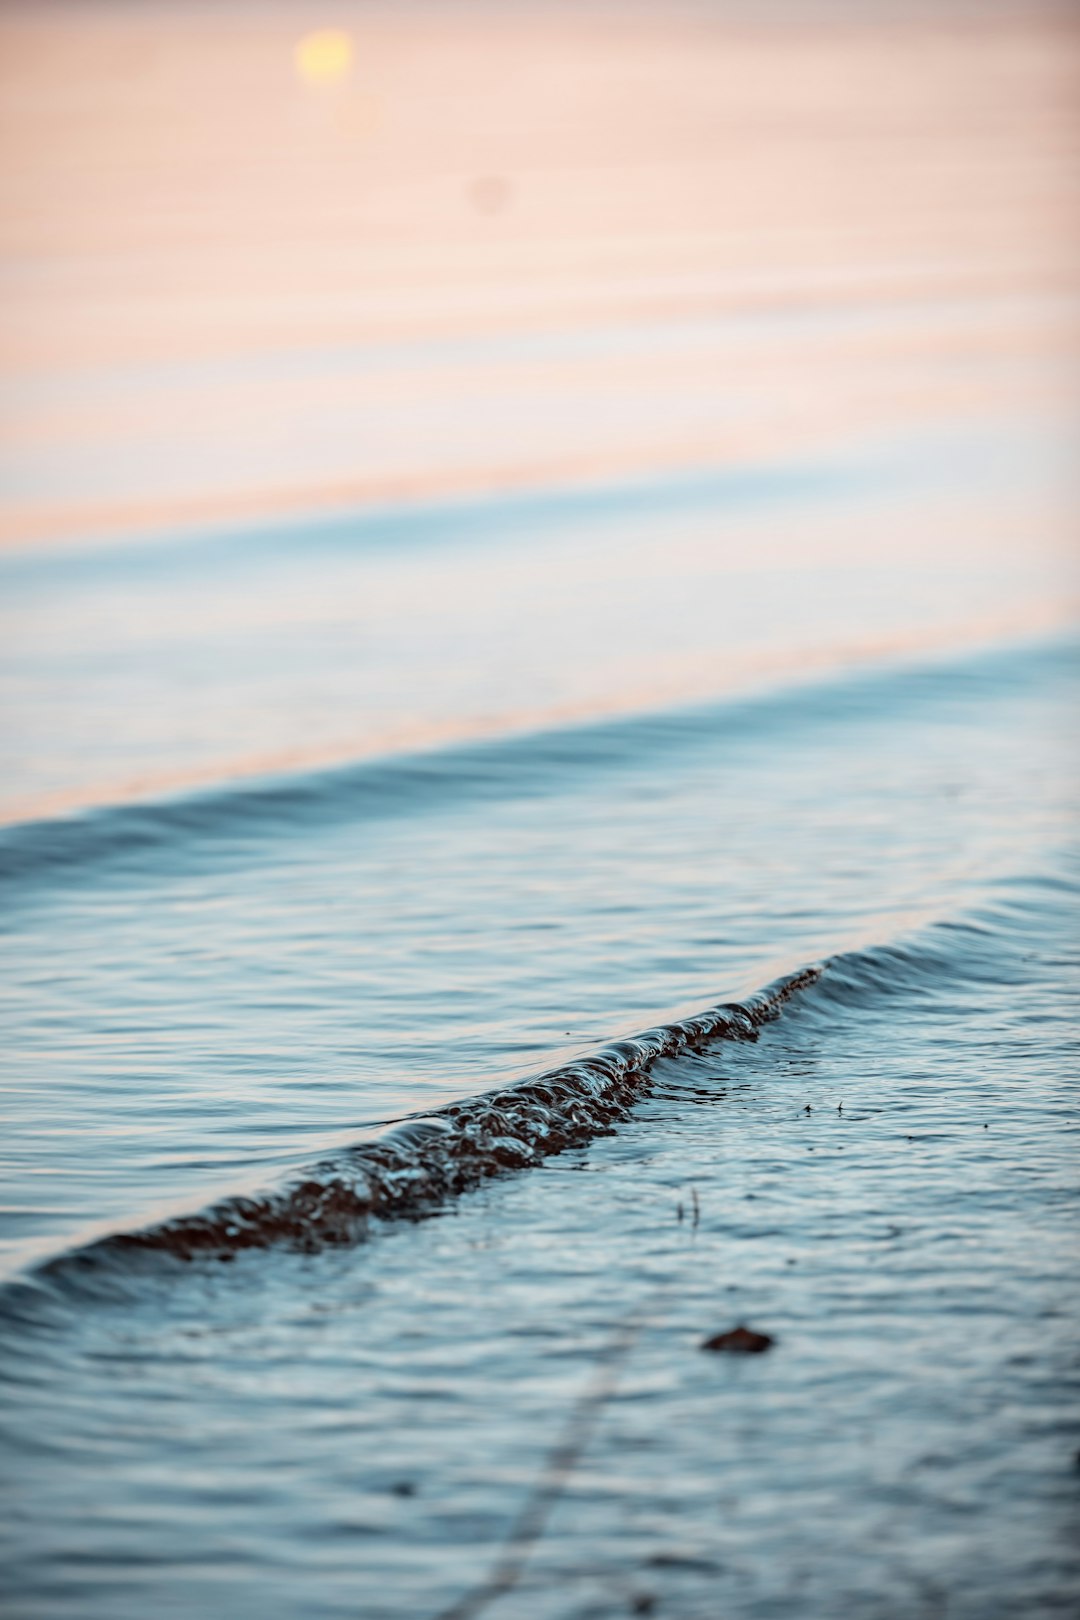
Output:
(740, 1341)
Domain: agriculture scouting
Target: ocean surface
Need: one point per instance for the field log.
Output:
(539, 673)
(384, 1133)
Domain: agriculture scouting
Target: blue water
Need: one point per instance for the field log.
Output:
(538, 813)
(374, 1168)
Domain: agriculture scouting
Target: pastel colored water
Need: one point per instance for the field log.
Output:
(538, 815)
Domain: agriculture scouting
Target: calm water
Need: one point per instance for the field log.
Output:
(224, 996)
(538, 811)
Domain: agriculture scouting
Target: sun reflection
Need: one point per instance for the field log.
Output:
(324, 57)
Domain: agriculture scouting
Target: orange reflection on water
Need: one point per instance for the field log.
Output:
(209, 262)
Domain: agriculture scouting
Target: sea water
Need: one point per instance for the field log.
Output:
(538, 813)
(375, 1165)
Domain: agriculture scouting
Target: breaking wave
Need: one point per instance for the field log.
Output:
(415, 1165)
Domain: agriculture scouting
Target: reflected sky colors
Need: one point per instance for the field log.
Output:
(449, 371)
(518, 523)
(252, 266)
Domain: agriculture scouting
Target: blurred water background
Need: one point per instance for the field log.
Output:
(520, 524)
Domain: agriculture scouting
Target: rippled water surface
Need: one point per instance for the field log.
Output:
(877, 1168)
(538, 811)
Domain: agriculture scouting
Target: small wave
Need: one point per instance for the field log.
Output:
(416, 1165)
(225, 821)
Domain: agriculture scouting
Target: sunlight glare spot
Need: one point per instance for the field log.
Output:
(323, 57)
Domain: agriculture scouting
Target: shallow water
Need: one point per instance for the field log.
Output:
(538, 812)
(881, 1175)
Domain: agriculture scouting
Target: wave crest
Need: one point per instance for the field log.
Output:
(418, 1164)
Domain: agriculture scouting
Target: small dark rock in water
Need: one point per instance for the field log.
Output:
(740, 1341)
